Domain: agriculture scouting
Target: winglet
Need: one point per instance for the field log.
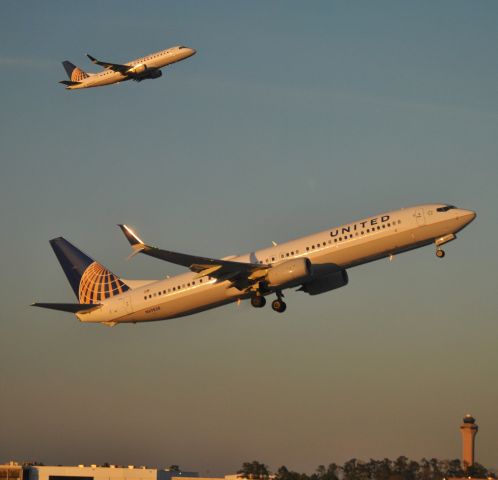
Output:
(130, 235)
(136, 243)
(92, 59)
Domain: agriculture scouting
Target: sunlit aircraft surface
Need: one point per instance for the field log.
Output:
(314, 264)
(138, 70)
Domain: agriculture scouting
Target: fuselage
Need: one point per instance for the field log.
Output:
(155, 60)
(343, 247)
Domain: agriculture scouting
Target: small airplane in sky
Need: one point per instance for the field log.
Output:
(138, 70)
(314, 264)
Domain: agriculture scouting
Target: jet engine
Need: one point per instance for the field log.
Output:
(325, 284)
(154, 73)
(291, 272)
(138, 69)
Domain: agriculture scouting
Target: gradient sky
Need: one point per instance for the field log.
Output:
(293, 117)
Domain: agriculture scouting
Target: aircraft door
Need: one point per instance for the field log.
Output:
(419, 216)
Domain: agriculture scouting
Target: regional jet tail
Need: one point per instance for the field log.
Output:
(140, 69)
(314, 264)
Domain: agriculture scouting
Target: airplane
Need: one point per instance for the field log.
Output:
(314, 264)
(138, 69)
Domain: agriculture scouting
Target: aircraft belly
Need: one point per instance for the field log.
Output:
(184, 303)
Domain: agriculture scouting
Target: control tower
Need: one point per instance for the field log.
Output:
(469, 430)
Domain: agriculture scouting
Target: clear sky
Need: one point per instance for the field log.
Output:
(293, 117)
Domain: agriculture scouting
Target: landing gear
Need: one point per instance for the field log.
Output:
(258, 301)
(441, 241)
(279, 305)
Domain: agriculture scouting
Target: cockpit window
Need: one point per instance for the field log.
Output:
(445, 208)
(180, 47)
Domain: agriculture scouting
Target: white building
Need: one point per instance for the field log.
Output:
(93, 472)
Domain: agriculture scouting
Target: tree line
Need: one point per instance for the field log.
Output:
(400, 469)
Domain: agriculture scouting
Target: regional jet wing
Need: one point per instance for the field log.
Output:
(116, 67)
(216, 268)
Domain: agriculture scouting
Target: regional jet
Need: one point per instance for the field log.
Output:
(138, 70)
(313, 264)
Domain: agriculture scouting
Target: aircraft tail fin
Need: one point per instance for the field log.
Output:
(74, 73)
(90, 281)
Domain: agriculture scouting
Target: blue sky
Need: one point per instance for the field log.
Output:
(293, 117)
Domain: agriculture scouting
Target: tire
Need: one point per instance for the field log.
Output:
(258, 301)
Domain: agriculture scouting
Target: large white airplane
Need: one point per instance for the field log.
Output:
(316, 264)
(138, 69)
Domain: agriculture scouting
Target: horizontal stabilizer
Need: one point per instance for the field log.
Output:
(69, 307)
(69, 83)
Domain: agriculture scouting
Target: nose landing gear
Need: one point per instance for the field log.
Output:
(441, 241)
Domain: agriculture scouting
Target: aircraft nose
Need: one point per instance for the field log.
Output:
(468, 216)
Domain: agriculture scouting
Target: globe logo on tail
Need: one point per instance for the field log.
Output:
(77, 75)
(97, 283)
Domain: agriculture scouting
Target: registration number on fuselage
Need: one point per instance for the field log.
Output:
(153, 310)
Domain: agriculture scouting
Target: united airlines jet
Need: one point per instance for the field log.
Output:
(138, 70)
(313, 264)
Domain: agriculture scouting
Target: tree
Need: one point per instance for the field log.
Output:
(254, 470)
(477, 470)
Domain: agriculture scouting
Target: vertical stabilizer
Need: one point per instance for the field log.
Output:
(74, 73)
(90, 281)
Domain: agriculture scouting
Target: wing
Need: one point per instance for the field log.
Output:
(240, 273)
(116, 67)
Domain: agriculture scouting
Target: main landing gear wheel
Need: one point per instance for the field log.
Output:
(258, 301)
(440, 253)
(279, 305)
